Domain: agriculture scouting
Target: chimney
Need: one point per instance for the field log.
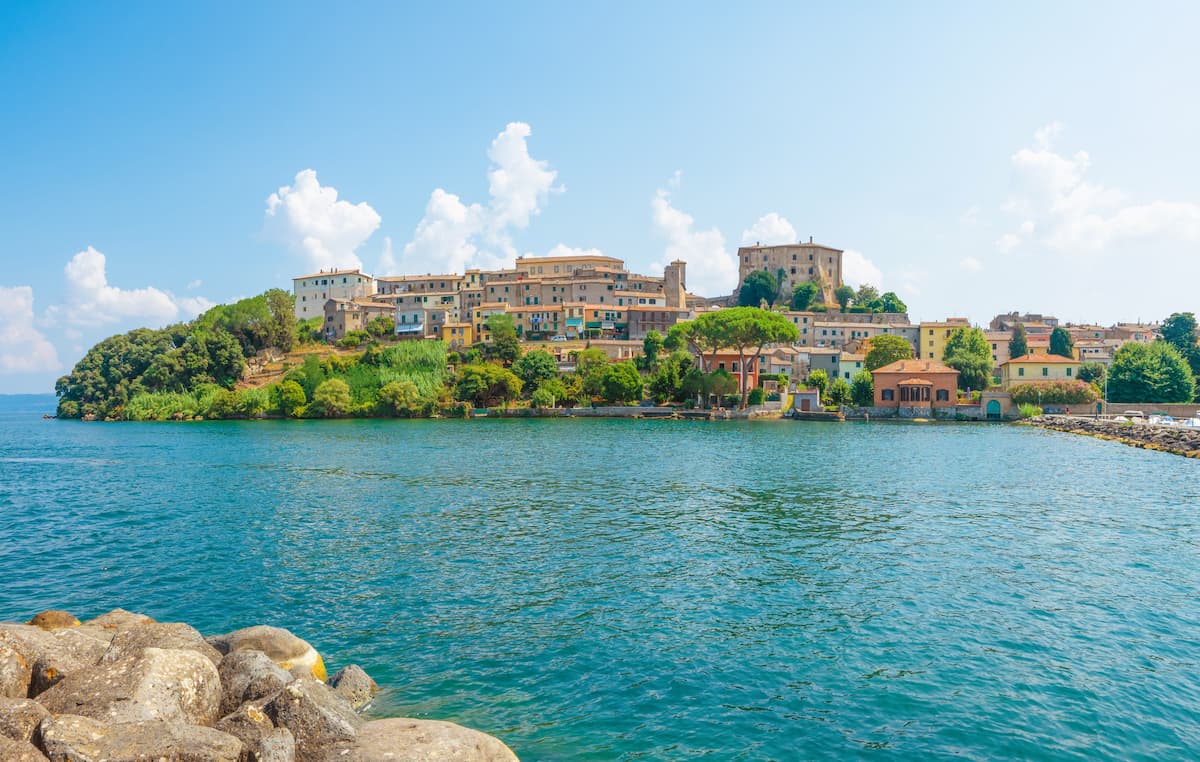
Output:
(810, 239)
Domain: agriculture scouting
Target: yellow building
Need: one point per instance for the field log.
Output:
(1038, 367)
(458, 335)
(932, 341)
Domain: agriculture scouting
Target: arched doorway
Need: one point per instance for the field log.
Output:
(993, 410)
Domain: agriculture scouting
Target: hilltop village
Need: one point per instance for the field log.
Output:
(573, 334)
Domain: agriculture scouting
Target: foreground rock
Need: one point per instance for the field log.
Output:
(1173, 439)
(68, 738)
(284, 648)
(156, 684)
(125, 688)
(426, 741)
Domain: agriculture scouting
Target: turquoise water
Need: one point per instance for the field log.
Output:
(654, 589)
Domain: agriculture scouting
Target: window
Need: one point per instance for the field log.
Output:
(889, 395)
(943, 395)
(1045, 371)
(1068, 372)
(1020, 371)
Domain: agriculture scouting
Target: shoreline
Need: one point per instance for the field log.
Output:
(1169, 439)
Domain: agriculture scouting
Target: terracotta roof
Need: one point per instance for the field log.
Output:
(1042, 358)
(915, 382)
(915, 366)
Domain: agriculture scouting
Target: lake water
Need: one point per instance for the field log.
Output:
(603, 589)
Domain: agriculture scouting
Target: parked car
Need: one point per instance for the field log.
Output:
(559, 337)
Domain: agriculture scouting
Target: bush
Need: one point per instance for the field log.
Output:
(1029, 411)
(542, 397)
(1054, 393)
(756, 396)
(862, 389)
(331, 399)
(289, 398)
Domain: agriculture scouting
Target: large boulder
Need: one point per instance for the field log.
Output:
(15, 673)
(248, 675)
(54, 654)
(320, 720)
(284, 648)
(53, 620)
(20, 751)
(119, 619)
(156, 684)
(426, 741)
(250, 726)
(20, 717)
(277, 746)
(68, 738)
(354, 685)
(132, 641)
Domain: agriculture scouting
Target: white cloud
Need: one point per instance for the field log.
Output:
(675, 180)
(971, 264)
(454, 236)
(313, 222)
(1065, 213)
(23, 349)
(712, 270)
(770, 230)
(970, 216)
(194, 284)
(562, 250)
(91, 300)
(191, 306)
(388, 265)
(858, 270)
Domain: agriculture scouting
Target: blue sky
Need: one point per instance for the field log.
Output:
(973, 158)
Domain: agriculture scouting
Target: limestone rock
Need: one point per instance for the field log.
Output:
(320, 720)
(53, 620)
(133, 640)
(426, 741)
(278, 746)
(249, 725)
(19, 751)
(54, 654)
(68, 738)
(249, 675)
(20, 717)
(157, 684)
(15, 673)
(284, 648)
(119, 619)
(354, 685)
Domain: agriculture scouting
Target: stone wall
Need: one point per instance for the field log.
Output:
(1182, 441)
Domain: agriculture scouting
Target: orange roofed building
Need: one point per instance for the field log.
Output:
(922, 384)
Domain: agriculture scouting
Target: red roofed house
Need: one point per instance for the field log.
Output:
(921, 384)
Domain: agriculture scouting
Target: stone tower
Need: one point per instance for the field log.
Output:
(674, 284)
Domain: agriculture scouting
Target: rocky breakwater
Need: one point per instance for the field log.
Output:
(1174, 439)
(125, 688)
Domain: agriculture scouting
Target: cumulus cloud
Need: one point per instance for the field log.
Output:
(191, 306)
(197, 283)
(453, 235)
(857, 270)
(91, 300)
(1064, 212)
(562, 250)
(311, 220)
(712, 270)
(971, 264)
(770, 230)
(23, 349)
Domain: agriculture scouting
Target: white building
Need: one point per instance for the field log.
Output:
(312, 291)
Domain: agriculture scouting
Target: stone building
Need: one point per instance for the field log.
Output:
(793, 264)
(314, 290)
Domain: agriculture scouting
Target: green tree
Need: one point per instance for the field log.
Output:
(885, 349)
(721, 383)
(401, 398)
(676, 338)
(749, 330)
(862, 388)
(506, 344)
(968, 352)
(487, 384)
(290, 398)
(803, 295)
(281, 332)
(1148, 373)
(1092, 373)
(542, 398)
(535, 367)
(867, 297)
(759, 286)
(820, 380)
(1061, 343)
(889, 302)
(381, 326)
(652, 345)
(589, 366)
(621, 382)
(1018, 345)
(550, 393)
(839, 391)
(843, 294)
(331, 399)
(1179, 330)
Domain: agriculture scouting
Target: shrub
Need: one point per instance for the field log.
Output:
(756, 396)
(862, 389)
(331, 399)
(542, 397)
(1054, 393)
(1029, 411)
